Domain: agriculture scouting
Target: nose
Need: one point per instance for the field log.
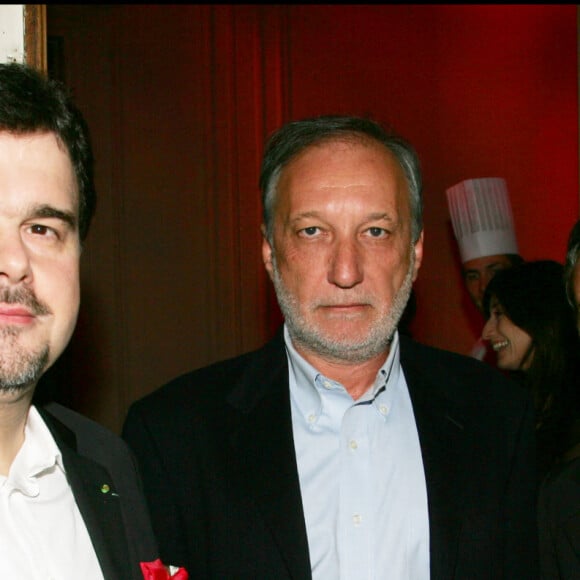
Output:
(14, 259)
(488, 329)
(345, 270)
(484, 281)
(479, 288)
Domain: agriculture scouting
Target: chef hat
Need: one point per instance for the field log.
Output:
(482, 218)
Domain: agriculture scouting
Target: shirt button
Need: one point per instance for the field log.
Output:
(353, 444)
(327, 385)
(311, 418)
(357, 519)
(383, 409)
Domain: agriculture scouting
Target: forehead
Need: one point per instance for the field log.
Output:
(349, 165)
(482, 264)
(36, 168)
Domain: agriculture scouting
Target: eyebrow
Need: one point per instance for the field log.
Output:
(467, 271)
(494, 265)
(48, 211)
(486, 267)
(381, 216)
(370, 217)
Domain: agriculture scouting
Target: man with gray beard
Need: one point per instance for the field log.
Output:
(341, 449)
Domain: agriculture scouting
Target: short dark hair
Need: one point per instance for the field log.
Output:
(29, 103)
(572, 255)
(294, 137)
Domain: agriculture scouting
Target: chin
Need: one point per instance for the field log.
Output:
(347, 333)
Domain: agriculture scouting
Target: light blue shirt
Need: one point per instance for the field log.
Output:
(361, 474)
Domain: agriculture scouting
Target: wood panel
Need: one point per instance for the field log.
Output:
(172, 276)
(35, 35)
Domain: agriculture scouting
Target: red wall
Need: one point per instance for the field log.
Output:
(179, 99)
(480, 90)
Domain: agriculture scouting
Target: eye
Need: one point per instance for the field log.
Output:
(497, 268)
(376, 232)
(44, 233)
(42, 230)
(497, 312)
(309, 231)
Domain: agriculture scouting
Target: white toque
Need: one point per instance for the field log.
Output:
(482, 218)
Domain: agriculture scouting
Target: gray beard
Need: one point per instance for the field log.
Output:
(342, 350)
(19, 369)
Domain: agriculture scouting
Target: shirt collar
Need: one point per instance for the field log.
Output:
(308, 384)
(38, 454)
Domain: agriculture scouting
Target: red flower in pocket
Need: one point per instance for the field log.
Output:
(156, 570)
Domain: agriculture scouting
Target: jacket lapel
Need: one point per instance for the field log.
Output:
(265, 446)
(444, 445)
(98, 503)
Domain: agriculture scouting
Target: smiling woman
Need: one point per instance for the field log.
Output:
(531, 327)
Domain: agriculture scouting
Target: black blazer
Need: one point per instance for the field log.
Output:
(117, 521)
(217, 457)
(559, 522)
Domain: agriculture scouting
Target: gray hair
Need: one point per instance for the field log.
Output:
(297, 136)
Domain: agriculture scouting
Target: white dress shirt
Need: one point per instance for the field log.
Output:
(361, 474)
(42, 533)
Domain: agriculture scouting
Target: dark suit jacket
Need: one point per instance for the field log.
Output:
(117, 521)
(559, 522)
(217, 456)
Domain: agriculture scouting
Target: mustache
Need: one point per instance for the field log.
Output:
(344, 301)
(26, 297)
